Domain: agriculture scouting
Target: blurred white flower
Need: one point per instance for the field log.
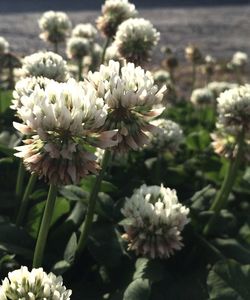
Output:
(135, 40)
(77, 48)
(202, 97)
(234, 110)
(130, 94)
(87, 31)
(112, 53)
(25, 87)
(193, 54)
(239, 59)
(55, 26)
(61, 120)
(45, 64)
(168, 137)
(162, 77)
(153, 221)
(218, 87)
(4, 45)
(114, 12)
(35, 284)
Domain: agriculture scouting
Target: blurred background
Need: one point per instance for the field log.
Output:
(218, 27)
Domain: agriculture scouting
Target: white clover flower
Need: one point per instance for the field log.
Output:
(210, 60)
(112, 53)
(153, 221)
(234, 109)
(239, 59)
(99, 153)
(87, 31)
(4, 45)
(218, 87)
(25, 87)
(202, 96)
(77, 48)
(61, 120)
(114, 12)
(130, 94)
(162, 77)
(169, 136)
(23, 284)
(45, 64)
(55, 26)
(135, 40)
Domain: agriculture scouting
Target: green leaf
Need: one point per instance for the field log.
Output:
(61, 267)
(75, 193)
(62, 207)
(5, 100)
(106, 187)
(138, 289)
(104, 244)
(233, 249)
(69, 253)
(148, 269)
(228, 280)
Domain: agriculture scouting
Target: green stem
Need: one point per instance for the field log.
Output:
(56, 47)
(20, 178)
(220, 201)
(44, 228)
(25, 200)
(80, 69)
(193, 75)
(104, 49)
(85, 228)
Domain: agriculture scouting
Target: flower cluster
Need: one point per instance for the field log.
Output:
(45, 64)
(55, 26)
(4, 46)
(130, 94)
(87, 31)
(168, 137)
(25, 87)
(234, 110)
(23, 284)
(202, 96)
(239, 59)
(114, 12)
(162, 77)
(135, 40)
(112, 53)
(78, 47)
(217, 87)
(61, 121)
(153, 221)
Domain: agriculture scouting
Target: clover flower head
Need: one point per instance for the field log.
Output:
(4, 45)
(135, 40)
(25, 87)
(61, 122)
(55, 26)
(217, 87)
(114, 12)
(154, 219)
(202, 96)
(78, 47)
(45, 64)
(234, 109)
(162, 77)
(193, 54)
(130, 94)
(34, 284)
(168, 137)
(239, 59)
(87, 31)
